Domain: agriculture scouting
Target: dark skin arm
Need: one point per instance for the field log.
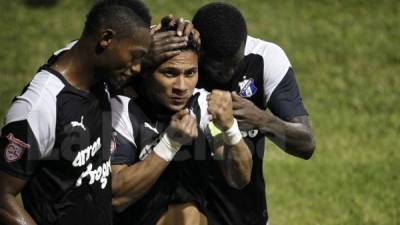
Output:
(11, 213)
(295, 136)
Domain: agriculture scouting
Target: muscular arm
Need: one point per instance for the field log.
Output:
(294, 137)
(235, 163)
(11, 213)
(235, 159)
(130, 183)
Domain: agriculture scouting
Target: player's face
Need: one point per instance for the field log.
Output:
(220, 70)
(173, 82)
(123, 56)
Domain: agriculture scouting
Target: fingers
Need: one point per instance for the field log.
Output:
(167, 55)
(191, 127)
(171, 42)
(168, 21)
(220, 107)
(236, 100)
(235, 96)
(194, 129)
(180, 114)
(166, 45)
(188, 28)
(238, 114)
(196, 36)
(180, 26)
(154, 29)
(161, 35)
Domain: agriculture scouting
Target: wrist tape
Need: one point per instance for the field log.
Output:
(167, 148)
(232, 136)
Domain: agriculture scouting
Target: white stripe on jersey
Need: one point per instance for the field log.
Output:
(202, 101)
(38, 106)
(67, 47)
(120, 117)
(276, 63)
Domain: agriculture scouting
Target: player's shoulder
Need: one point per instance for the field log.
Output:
(38, 97)
(262, 47)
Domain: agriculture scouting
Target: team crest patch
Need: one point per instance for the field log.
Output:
(15, 149)
(247, 88)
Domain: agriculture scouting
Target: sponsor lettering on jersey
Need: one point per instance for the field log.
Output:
(84, 155)
(99, 174)
(15, 149)
(250, 133)
(247, 88)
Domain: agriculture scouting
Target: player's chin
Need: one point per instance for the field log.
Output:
(176, 106)
(220, 78)
(119, 81)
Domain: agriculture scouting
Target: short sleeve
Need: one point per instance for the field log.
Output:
(286, 102)
(19, 150)
(276, 63)
(29, 132)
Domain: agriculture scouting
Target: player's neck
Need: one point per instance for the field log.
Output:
(75, 66)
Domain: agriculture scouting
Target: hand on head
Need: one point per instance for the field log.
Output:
(169, 37)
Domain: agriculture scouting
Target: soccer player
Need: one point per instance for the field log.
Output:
(260, 76)
(55, 145)
(161, 160)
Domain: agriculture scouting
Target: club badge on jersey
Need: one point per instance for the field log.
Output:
(15, 149)
(247, 88)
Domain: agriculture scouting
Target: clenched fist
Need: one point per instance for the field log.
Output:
(220, 108)
(182, 127)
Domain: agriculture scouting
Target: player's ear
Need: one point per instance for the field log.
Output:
(106, 37)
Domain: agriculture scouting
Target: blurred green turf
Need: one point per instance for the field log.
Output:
(346, 55)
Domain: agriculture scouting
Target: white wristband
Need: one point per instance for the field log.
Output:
(167, 148)
(232, 136)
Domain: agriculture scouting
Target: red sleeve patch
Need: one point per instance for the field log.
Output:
(15, 149)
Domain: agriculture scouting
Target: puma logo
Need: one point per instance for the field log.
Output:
(150, 127)
(78, 124)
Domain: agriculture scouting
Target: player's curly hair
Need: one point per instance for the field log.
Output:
(123, 16)
(222, 29)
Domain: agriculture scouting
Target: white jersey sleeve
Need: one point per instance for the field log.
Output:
(276, 63)
(37, 106)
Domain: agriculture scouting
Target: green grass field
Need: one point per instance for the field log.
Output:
(346, 55)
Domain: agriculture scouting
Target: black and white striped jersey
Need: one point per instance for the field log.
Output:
(58, 139)
(139, 128)
(266, 78)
